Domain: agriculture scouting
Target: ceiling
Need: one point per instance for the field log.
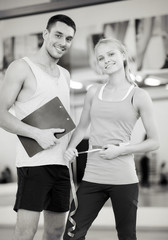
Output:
(20, 8)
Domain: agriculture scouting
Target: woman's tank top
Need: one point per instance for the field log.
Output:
(112, 122)
(47, 87)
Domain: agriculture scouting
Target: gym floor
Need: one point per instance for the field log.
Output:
(154, 197)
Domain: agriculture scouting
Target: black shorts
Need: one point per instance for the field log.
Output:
(43, 188)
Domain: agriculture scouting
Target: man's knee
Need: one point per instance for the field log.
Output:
(24, 233)
(53, 233)
(26, 225)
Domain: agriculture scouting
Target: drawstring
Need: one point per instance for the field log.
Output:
(73, 189)
(74, 196)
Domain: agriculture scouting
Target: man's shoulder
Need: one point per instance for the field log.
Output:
(18, 64)
(64, 70)
(18, 70)
(65, 73)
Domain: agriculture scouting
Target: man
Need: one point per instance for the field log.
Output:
(43, 180)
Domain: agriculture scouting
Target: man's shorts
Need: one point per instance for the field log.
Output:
(43, 188)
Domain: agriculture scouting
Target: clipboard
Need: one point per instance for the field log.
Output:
(51, 115)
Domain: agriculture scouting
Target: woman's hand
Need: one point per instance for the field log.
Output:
(110, 151)
(70, 154)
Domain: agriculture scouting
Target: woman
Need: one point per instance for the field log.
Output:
(112, 109)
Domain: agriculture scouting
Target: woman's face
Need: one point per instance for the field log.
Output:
(109, 58)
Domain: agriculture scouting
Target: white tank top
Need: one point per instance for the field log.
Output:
(112, 122)
(47, 87)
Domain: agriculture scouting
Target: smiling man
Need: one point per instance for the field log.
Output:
(43, 180)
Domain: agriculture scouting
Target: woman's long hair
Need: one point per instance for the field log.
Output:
(123, 50)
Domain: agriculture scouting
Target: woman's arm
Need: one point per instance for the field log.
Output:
(144, 105)
(83, 125)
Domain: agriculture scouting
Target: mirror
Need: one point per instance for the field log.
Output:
(20, 36)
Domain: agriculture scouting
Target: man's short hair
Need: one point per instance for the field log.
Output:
(60, 18)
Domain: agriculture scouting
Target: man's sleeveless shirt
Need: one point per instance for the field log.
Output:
(47, 88)
(111, 122)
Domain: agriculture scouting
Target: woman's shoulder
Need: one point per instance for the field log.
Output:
(140, 92)
(141, 96)
(94, 88)
(91, 92)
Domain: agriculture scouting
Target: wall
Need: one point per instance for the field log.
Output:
(87, 16)
(83, 17)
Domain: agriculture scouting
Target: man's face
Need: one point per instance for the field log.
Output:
(59, 39)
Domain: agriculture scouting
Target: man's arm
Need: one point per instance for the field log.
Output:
(13, 83)
(11, 87)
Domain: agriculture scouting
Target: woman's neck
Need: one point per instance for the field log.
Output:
(117, 80)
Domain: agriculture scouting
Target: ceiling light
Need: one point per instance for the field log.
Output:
(152, 81)
(138, 78)
(76, 85)
(132, 76)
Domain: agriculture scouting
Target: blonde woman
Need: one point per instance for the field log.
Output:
(112, 109)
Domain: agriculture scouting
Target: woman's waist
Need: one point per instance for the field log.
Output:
(101, 143)
(111, 171)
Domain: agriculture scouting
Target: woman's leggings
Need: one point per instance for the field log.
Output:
(92, 197)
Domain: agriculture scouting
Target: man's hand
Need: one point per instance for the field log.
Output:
(46, 138)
